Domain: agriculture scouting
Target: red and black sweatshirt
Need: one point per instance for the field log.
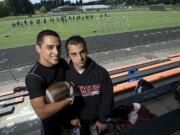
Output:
(94, 92)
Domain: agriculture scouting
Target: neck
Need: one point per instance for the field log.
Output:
(45, 64)
(79, 68)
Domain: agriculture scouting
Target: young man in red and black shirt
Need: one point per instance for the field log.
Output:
(94, 94)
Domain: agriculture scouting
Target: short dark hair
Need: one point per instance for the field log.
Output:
(43, 33)
(74, 40)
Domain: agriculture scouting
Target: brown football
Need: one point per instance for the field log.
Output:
(57, 92)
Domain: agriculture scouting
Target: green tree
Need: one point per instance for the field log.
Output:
(5, 8)
(110, 2)
(67, 2)
(28, 7)
(21, 7)
(49, 4)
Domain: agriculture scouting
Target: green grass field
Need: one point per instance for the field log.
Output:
(117, 22)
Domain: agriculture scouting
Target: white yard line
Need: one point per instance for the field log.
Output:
(9, 32)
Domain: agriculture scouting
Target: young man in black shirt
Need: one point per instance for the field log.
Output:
(94, 93)
(49, 68)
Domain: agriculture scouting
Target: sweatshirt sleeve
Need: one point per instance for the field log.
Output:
(107, 98)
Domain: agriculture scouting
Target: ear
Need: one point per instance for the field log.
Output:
(38, 49)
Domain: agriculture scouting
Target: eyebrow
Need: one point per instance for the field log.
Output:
(53, 45)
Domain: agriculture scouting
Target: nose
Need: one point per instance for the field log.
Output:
(56, 51)
(79, 57)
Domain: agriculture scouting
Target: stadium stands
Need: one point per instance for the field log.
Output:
(151, 94)
(145, 73)
(6, 110)
(152, 78)
(145, 68)
(136, 65)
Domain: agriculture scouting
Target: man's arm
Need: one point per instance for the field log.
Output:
(44, 110)
(36, 87)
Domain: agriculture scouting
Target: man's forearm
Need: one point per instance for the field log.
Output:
(53, 108)
(50, 109)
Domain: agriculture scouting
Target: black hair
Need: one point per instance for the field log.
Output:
(75, 40)
(43, 33)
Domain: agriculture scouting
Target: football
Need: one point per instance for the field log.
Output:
(59, 91)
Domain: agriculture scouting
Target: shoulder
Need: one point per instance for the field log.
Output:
(63, 63)
(34, 74)
(101, 69)
(36, 69)
(35, 85)
(33, 79)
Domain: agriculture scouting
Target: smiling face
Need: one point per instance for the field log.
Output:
(49, 50)
(78, 55)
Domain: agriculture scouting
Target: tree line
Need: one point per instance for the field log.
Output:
(25, 7)
(16, 7)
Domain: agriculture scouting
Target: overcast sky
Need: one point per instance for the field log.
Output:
(35, 1)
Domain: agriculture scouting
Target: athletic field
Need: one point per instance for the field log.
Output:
(99, 24)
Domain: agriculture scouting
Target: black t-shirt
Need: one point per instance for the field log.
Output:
(40, 77)
(37, 81)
